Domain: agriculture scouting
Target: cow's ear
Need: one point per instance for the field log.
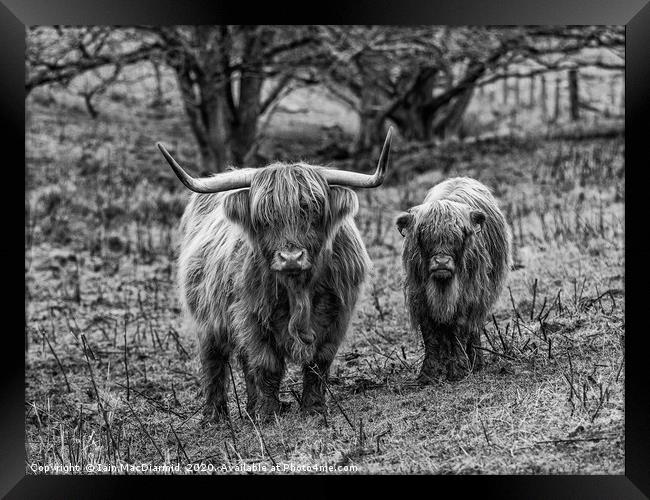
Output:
(236, 206)
(477, 218)
(404, 222)
(343, 203)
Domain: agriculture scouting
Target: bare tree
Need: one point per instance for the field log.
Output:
(423, 78)
(60, 54)
(228, 76)
(420, 78)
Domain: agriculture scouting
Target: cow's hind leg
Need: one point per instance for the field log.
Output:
(215, 354)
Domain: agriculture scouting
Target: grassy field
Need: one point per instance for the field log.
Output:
(111, 378)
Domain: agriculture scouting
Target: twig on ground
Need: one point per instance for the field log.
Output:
(144, 429)
(180, 444)
(58, 361)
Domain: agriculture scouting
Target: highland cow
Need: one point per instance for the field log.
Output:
(456, 257)
(271, 272)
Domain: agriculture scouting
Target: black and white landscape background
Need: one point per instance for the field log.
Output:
(535, 113)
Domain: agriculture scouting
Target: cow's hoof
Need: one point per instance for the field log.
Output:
(268, 409)
(314, 409)
(455, 373)
(430, 373)
(426, 378)
(216, 414)
(285, 406)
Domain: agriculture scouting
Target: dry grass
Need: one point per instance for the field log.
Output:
(112, 378)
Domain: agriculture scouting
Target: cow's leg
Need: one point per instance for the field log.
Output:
(268, 382)
(330, 319)
(266, 367)
(463, 356)
(214, 354)
(457, 356)
(474, 354)
(444, 352)
(435, 351)
(315, 378)
(448, 352)
(251, 387)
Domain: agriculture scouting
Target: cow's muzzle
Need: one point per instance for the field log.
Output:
(442, 267)
(291, 261)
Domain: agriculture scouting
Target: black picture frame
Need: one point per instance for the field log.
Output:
(15, 15)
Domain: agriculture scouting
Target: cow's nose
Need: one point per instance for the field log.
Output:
(292, 259)
(442, 260)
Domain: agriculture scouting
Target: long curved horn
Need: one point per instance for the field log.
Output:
(355, 179)
(225, 181)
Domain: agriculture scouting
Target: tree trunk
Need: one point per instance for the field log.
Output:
(371, 121)
(574, 94)
(414, 116)
(217, 154)
(244, 127)
(422, 116)
(224, 105)
(370, 131)
(247, 113)
(202, 113)
(225, 133)
(417, 110)
(451, 122)
(423, 123)
(543, 98)
(556, 109)
(622, 103)
(531, 89)
(612, 91)
(414, 122)
(517, 94)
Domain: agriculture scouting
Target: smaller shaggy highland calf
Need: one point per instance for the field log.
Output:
(456, 257)
(270, 267)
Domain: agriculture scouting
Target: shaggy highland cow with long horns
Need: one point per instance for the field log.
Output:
(456, 257)
(271, 272)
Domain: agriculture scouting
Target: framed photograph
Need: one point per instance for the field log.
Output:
(391, 244)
